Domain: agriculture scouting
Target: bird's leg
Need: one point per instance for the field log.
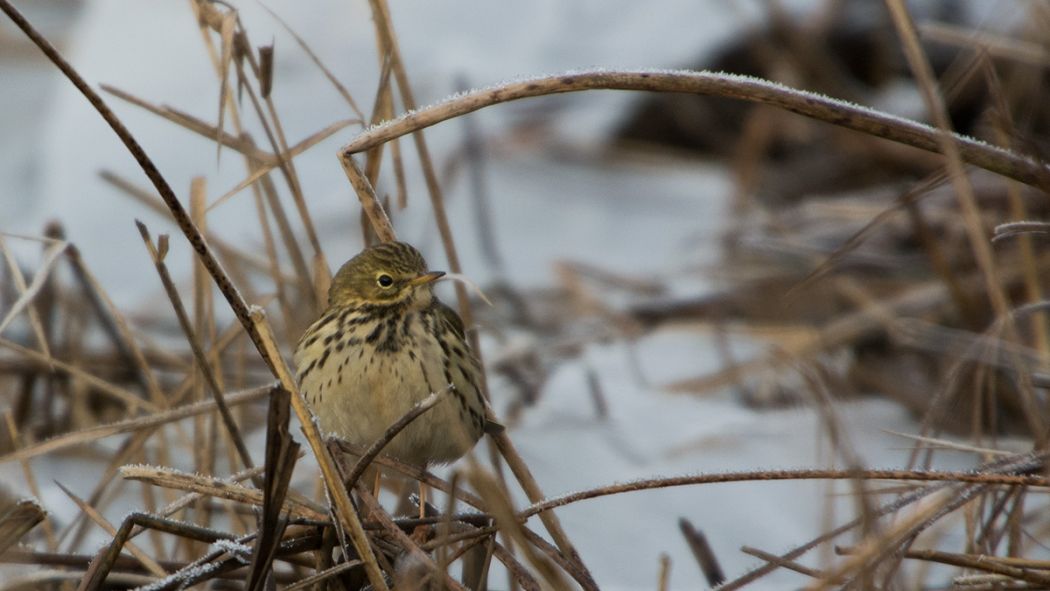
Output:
(377, 487)
(422, 531)
(422, 499)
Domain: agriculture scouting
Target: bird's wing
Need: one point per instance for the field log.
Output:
(456, 324)
(452, 319)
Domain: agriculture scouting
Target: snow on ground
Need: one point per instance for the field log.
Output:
(652, 433)
(630, 218)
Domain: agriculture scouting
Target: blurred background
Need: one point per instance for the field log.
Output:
(677, 284)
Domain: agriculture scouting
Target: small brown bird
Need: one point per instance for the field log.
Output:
(385, 343)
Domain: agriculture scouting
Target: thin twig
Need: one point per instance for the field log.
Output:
(520, 575)
(801, 474)
(150, 564)
(195, 125)
(415, 473)
(369, 202)
(373, 450)
(1018, 463)
(217, 487)
(85, 436)
(1023, 570)
(130, 399)
(511, 526)
(317, 62)
(954, 150)
(157, 254)
(322, 576)
(782, 563)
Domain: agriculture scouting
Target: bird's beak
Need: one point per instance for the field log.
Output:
(425, 278)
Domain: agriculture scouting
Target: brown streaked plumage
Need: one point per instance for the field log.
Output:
(385, 343)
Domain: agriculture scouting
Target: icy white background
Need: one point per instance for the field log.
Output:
(634, 218)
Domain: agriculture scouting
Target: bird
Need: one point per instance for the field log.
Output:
(384, 343)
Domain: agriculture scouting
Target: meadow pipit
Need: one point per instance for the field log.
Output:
(385, 343)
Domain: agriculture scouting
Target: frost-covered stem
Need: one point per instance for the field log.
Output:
(1032, 571)
(583, 578)
(216, 487)
(801, 474)
(103, 562)
(809, 104)
(107, 557)
(366, 194)
(1021, 463)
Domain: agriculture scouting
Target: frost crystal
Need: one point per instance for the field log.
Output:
(183, 577)
(241, 552)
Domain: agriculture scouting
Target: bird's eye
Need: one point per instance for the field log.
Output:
(384, 280)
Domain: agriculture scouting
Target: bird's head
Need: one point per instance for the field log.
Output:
(388, 273)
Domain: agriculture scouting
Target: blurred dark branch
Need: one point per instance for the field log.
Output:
(705, 556)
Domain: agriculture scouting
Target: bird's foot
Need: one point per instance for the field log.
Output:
(421, 534)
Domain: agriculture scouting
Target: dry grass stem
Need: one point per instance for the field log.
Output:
(26, 293)
(812, 105)
(367, 195)
(90, 434)
(157, 253)
(217, 487)
(132, 401)
(996, 45)
(17, 520)
(803, 474)
(964, 192)
(99, 520)
(782, 563)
